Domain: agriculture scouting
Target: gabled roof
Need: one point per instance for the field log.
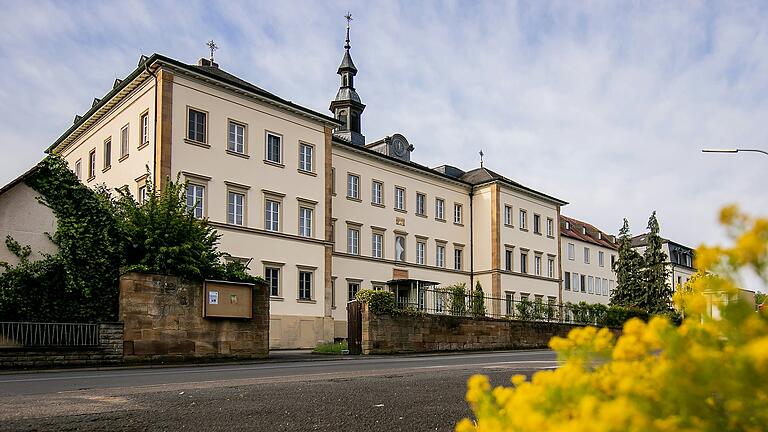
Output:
(19, 179)
(641, 240)
(481, 176)
(145, 69)
(593, 235)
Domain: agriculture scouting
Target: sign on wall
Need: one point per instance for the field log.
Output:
(227, 299)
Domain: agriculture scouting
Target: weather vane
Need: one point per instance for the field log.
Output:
(481, 158)
(348, 16)
(213, 47)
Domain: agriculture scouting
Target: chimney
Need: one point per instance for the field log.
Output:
(206, 62)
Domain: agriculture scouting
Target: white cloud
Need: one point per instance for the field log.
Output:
(605, 105)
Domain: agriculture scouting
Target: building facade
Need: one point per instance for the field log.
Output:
(588, 256)
(317, 210)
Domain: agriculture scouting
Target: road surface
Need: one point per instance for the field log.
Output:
(408, 393)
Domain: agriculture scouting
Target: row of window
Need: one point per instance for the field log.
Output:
(588, 255)
(377, 248)
(587, 284)
(305, 282)
(107, 149)
(523, 221)
(523, 266)
(237, 140)
(399, 199)
(237, 204)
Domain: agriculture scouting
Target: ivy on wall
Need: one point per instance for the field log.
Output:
(98, 236)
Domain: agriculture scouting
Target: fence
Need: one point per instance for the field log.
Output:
(30, 334)
(452, 301)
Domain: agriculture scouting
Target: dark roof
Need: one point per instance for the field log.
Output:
(480, 176)
(127, 85)
(346, 62)
(593, 235)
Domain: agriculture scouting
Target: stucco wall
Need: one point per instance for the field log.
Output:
(593, 268)
(27, 221)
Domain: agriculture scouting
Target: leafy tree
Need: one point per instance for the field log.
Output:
(628, 268)
(97, 236)
(458, 299)
(478, 302)
(657, 293)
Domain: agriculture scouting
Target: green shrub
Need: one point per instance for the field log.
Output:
(379, 302)
(478, 302)
(330, 348)
(524, 309)
(616, 316)
(458, 299)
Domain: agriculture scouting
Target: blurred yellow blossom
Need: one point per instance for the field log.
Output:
(705, 375)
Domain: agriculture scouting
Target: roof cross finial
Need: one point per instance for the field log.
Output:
(348, 16)
(213, 47)
(481, 158)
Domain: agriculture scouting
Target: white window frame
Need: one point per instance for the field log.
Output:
(508, 215)
(440, 209)
(550, 227)
(601, 258)
(233, 216)
(237, 138)
(92, 164)
(440, 255)
(306, 157)
(196, 192)
(421, 252)
(523, 219)
(537, 265)
(301, 288)
(550, 267)
(536, 223)
(458, 213)
(306, 216)
(377, 192)
(107, 151)
(194, 137)
(458, 258)
(377, 244)
(421, 204)
(269, 151)
(144, 125)
(353, 186)
(399, 198)
(79, 169)
(353, 240)
(272, 214)
(124, 141)
(268, 279)
(571, 252)
(587, 254)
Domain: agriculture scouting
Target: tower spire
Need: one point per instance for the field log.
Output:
(347, 106)
(348, 16)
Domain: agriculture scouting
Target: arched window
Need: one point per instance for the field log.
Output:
(344, 80)
(355, 121)
(342, 117)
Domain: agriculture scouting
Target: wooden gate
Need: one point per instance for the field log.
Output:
(354, 328)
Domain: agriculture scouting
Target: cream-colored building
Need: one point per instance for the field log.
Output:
(313, 207)
(680, 259)
(588, 255)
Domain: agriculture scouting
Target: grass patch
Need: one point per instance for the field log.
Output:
(330, 348)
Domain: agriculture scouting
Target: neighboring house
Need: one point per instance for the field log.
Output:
(25, 219)
(679, 258)
(588, 256)
(317, 210)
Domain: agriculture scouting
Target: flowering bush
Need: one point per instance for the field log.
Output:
(707, 374)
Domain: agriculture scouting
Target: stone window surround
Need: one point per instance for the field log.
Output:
(188, 140)
(279, 266)
(244, 154)
(312, 160)
(240, 189)
(281, 162)
(277, 197)
(202, 180)
(312, 291)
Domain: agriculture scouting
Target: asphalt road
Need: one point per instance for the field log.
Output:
(403, 393)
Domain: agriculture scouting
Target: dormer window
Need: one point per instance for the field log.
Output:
(584, 230)
(599, 236)
(567, 225)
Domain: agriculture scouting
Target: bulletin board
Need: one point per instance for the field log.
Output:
(223, 299)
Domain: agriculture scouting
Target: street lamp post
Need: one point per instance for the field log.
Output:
(734, 150)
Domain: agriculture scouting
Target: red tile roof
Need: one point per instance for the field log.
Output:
(593, 235)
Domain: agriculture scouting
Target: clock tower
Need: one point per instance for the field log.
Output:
(347, 107)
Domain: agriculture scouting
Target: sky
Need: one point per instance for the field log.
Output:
(605, 105)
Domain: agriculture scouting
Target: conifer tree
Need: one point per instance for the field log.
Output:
(478, 302)
(628, 268)
(657, 290)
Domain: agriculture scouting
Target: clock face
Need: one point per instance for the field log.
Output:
(399, 147)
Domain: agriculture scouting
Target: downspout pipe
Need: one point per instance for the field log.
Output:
(471, 240)
(154, 128)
